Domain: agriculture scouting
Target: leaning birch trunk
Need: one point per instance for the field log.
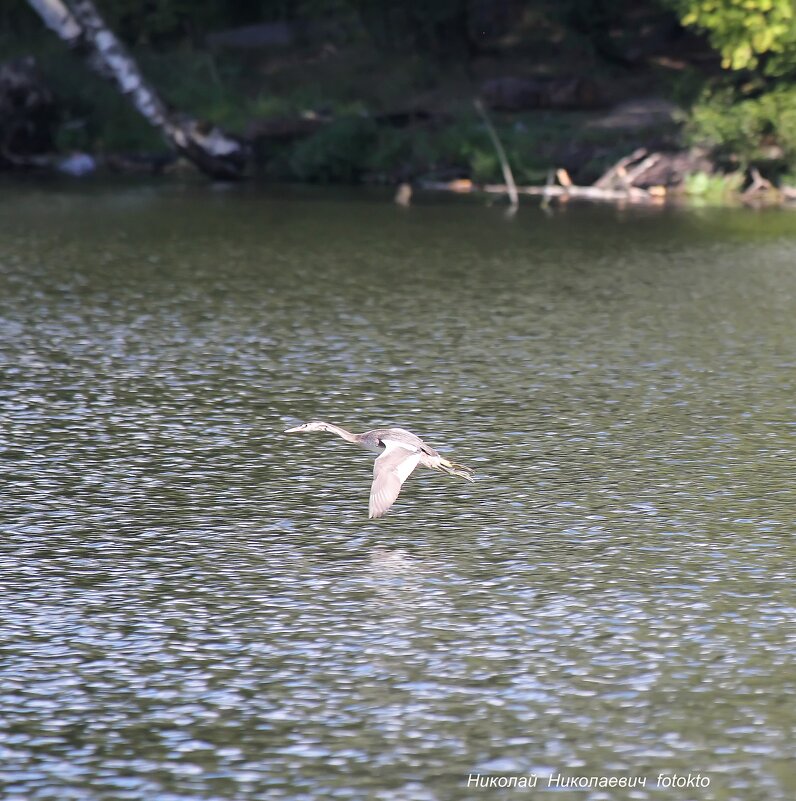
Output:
(78, 23)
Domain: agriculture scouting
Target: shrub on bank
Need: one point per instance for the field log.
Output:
(758, 130)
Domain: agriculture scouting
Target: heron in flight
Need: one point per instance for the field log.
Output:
(400, 452)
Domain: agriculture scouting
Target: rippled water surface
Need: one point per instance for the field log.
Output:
(195, 606)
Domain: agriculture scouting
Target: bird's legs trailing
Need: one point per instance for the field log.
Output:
(453, 469)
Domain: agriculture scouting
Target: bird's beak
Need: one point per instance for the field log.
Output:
(294, 429)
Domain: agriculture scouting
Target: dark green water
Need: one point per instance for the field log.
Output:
(194, 606)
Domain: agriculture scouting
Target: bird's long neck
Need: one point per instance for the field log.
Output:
(341, 432)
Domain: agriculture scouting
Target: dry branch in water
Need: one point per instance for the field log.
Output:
(510, 188)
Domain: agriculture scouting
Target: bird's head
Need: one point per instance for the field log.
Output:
(314, 425)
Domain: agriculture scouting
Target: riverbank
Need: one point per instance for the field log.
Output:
(335, 109)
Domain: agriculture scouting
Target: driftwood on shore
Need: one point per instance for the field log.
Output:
(629, 180)
(80, 26)
(614, 186)
(639, 178)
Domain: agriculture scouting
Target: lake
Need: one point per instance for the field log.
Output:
(196, 606)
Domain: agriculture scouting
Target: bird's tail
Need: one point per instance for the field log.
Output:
(454, 469)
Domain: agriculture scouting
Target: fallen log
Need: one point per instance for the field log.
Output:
(609, 177)
(632, 194)
(615, 185)
(758, 184)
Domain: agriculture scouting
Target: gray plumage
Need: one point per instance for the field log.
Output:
(400, 452)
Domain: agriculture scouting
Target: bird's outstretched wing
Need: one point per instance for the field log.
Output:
(390, 470)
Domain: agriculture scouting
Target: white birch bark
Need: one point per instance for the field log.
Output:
(57, 18)
(79, 24)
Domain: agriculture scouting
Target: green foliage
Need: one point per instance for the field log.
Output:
(337, 153)
(744, 31)
(755, 122)
(94, 116)
(713, 187)
(352, 82)
(356, 148)
(394, 154)
(751, 129)
(196, 82)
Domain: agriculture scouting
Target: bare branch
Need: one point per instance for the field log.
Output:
(508, 177)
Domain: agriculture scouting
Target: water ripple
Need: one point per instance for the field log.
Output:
(194, 606)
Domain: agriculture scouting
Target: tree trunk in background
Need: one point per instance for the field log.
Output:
(78, 23)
